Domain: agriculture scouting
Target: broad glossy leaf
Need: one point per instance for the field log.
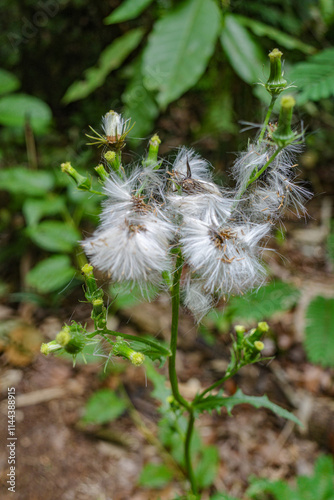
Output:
(127, 10)
(243, 52)
(111, 58)
(103, 406)
(8, 82)
(140, 104)
(319, 331)
(35, 209)
(217, 402)
(16, 109)
(179, 48)
(51, 274)
(22, 181)
(289, 42)
(55, 236)
(155, 476)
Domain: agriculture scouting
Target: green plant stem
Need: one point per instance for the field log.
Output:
(126, 336)
(227, 376)
(267, 118)
(175, 292)
(265, 166)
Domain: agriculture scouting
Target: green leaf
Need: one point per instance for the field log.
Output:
(111, 58)
(22, 181)
(244, 54)
(289, 42)
(315, 77)
(51, 274)
(319, 331)
(217, 402)
(179, 48)
(16, 109)
(155, 476)
(127, 10)
(268, 300)
(35, 209)
(140, 104)
(207, 468)
(103, 406)
(8, 82)
(55, 236)
(319, 486)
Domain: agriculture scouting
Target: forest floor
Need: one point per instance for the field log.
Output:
(57, 459)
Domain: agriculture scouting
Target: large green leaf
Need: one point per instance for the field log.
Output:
(51, 274)
(260, 29)
(315, 77)
(16, 109)
(8, 82)
(55, 236)
(35, 209)
(111, 58)
(103, 406)
(179, 48)
(140, 104)
(217, 402)
(319, 331)
(243, 52)
(22, 181)
(127, 10)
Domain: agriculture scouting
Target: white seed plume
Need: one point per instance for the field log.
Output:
(200, 168)
(114, 126)
(225, 257)
(134, 250)
(196, 299)
(207, 207)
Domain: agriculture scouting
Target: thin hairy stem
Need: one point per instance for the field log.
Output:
(175, 292)
(267, 118)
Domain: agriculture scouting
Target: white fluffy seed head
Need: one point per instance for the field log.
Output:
(200, 168)
(207, 207)
(196, 299)
(225, 257)
(114, 125)
(132, 250)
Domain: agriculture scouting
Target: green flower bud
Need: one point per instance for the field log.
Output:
(263, 327)
(239, 329)
(101, 171)
(64, 336)
(50, 347)
(276, 83)
(122, 348)
(284, 135)
(71, 338)
(110, 156)
(87, 270)
(259, 345)
(82, 183)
